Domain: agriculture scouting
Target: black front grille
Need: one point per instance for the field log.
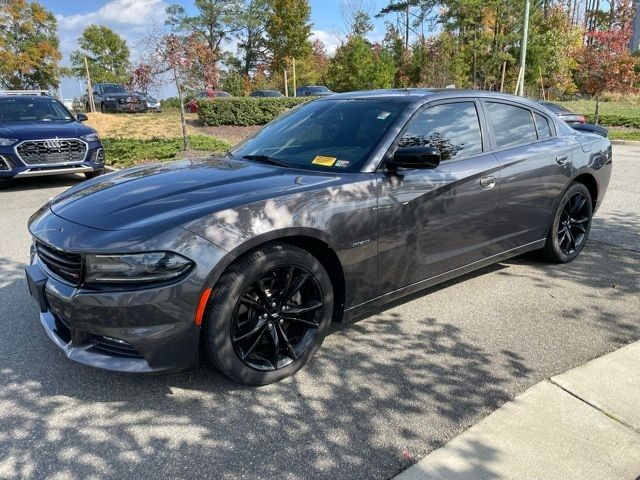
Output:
(64, 264)
(113, 346)
(44, 152)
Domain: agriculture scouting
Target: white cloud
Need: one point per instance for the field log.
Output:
(117, 12)
(331, 40)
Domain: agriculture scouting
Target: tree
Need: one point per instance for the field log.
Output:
(359, 65)
(250, 33)
(605, 63)
(288, 30)
(214, 22)
(107, 55)
(142, 77)
(29, 47)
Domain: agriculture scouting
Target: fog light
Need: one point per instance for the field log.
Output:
(99, 156)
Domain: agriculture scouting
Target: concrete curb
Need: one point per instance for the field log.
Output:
(625, 142)
(583, 423)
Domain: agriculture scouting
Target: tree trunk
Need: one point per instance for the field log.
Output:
(183, 121)
(596, 118)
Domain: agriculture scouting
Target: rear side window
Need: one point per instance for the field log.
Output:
(542, 125)
(453, 128)
(511, 125)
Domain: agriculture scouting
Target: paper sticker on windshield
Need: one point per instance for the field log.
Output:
(342, 163)
(383, 115)
(326, 161)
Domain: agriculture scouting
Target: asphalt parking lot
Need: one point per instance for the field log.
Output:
(380, 394)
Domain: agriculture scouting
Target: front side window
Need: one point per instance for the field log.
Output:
(511, 125)
(453, 128)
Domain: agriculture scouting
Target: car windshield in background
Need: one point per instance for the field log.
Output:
(335, 135)
(318, 89)
(25, 109)
(113, 88)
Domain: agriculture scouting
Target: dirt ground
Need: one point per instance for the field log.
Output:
(161, 125)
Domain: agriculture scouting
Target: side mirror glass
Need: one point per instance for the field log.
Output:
(416, 157)
(81, 117)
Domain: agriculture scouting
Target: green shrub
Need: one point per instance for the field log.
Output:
(244, 110)
(171, 102)
(615, 120)
(125, 152)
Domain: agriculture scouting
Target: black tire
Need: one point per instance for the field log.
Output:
(571, 225)
(103, 108)
(235, 329)
(94, 174)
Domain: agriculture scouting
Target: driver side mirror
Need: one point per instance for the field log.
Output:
(81, 117)
(416, 157)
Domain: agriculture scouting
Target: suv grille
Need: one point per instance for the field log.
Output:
(39, 152)
(66, 265)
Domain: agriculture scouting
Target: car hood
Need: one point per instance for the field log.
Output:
(179, 192)
(43, 130)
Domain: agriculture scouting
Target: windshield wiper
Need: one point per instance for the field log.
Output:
(267, 159)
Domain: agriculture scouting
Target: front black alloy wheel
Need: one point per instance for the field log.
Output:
(270, 313)
(571, 225)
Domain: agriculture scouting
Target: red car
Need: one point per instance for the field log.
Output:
(192, 106)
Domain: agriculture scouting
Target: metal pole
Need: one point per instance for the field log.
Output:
(523, 48)
(286, 84)
(294, 78)
(92, 103)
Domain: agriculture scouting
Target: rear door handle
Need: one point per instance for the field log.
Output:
(562, 159)
(488, 182)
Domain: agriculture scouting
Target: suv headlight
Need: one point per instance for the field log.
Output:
(5, 142)
(135, 268)
(109, 99)
(92, 137)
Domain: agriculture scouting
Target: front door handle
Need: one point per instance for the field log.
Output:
(488, 182)
(562, 159)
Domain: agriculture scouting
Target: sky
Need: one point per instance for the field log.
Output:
(132, 19)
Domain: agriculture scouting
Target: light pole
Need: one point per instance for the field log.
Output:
(523, 49)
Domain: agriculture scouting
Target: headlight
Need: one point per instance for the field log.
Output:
(135, 268)
(92, 137)
(5, 142)
(109, 99)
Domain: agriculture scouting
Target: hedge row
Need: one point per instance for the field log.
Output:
(244, 110)
(125, 152)
(610, 120)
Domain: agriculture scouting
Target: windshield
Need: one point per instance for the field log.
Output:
(26, 109)
(318, 89)
(113, 88)
(335, 135)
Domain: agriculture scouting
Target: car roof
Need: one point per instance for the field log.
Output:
(424, 94)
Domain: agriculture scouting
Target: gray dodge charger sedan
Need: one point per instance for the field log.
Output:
(330, 211)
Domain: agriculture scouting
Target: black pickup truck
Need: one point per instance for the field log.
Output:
(112, 97)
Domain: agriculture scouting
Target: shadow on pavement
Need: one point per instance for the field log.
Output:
(329, 421)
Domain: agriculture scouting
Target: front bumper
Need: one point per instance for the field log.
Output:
(12, 166)
(117, 106)
(143, 330)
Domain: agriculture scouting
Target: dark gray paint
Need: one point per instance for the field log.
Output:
(393, 233)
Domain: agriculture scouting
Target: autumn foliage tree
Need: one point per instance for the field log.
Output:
(29, 47)
(605, 63)
(191, 64)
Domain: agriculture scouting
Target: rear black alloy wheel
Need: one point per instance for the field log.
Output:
(269, 314)
(573, 223)
(571, 226)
